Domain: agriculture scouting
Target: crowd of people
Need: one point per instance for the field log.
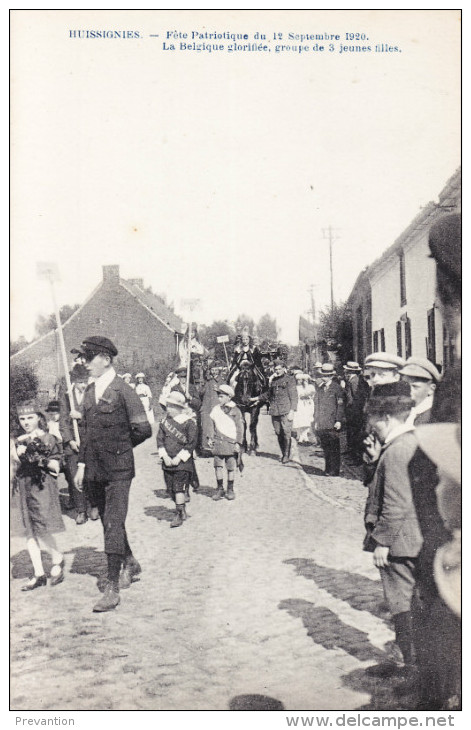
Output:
(401, 419)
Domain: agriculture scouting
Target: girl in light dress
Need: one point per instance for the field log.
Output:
(304, 414)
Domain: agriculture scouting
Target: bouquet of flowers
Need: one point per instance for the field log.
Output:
(34, 460)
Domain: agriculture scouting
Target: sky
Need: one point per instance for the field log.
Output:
(214, 176)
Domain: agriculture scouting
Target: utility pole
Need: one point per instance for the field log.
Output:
(330, 235)
(313, 304)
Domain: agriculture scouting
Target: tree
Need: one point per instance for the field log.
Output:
(336, 330)
(23, 387)
(208, 337)
(267, 330)
(243, 320)
(46, 324)
(18, 345)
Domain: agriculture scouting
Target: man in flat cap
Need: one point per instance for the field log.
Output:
(113, 422)
(393, 531)
(380, 368)
(283, 397)
(422, 376)
(79, 378)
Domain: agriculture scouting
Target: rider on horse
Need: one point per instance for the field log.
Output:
(248, 379)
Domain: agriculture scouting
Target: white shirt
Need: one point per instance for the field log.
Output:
(426, 405)
(103, 382)
(398, 430)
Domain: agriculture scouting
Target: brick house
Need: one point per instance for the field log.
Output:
(143, 328)
(394, 303)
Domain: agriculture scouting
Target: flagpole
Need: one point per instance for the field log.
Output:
(50, 277)
(189, 361)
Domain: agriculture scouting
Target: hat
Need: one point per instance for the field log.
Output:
(79, 373)
(126, 375)
(317, 365)
(391, 398)
(420, 367)
(278, 361)
(352, 367)
(175, 399)
(181, 369)
(53, 407)
(445, 246)
(27, 408)
(226, 389)
(327, 369)
(96, 345)
(140, 375)
(384, 360)
(441, 443)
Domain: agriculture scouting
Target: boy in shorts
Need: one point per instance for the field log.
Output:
(176, 441)
(226, 434)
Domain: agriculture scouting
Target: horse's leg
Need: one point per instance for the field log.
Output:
(244, 444)
(254, 416)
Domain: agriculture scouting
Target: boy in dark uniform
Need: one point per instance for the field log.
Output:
(176, 439)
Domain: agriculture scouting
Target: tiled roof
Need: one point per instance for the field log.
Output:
(155, 304)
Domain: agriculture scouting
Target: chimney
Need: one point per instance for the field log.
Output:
(111, 273)
(137, 282)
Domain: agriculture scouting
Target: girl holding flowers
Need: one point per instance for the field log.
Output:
(37, 455)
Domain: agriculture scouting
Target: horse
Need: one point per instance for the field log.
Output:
(248, 385)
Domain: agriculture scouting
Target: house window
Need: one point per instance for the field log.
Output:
(407, 337)
(431, 350)
(359, 318)
(379, 341)
(402, 278)
(399, 338)
(448, 350)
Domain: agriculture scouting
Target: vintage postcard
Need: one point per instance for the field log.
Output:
(235, 241)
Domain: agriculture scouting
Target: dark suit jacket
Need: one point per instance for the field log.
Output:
(396, 524)
(111, 428)
(329, 407)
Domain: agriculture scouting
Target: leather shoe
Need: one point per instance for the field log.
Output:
(130, 570)
(56, 579)
(36, 582)
(94, 514)
(81, 518)
(109, 601)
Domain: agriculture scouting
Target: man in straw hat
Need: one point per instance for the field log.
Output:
(329, 417)
(114, 421)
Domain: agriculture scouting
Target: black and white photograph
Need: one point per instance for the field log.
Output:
(235, 367)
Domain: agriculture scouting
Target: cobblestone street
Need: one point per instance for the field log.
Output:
(268, 595)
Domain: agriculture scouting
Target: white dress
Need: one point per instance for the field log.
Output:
(304, 413)
(145, 394)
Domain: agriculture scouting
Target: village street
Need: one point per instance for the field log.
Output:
(268, 595)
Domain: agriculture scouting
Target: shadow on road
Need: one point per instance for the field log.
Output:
(88, 561)
(361, 593)
(325, 628)
(382, 691)
(266, 455)
(161, 514)
(255, 703)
